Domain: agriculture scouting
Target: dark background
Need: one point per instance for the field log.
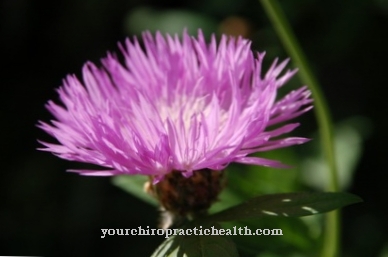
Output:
(48, 212)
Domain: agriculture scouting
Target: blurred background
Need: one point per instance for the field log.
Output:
(45, 211)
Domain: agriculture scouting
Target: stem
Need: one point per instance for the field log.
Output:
(284, 31)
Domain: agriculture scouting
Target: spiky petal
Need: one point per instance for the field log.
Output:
(174, 105)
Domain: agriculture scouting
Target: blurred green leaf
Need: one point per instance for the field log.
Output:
(244, 182)
(134, 184)
(168, 248)
(287, 205)
(249, 180)
(167, 21)
(348, 138)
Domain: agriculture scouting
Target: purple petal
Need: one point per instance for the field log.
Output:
(174, 104)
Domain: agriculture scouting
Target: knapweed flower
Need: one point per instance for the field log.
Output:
(180, 105)
(175, 105)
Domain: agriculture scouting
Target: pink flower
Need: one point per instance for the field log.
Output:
(180, 105)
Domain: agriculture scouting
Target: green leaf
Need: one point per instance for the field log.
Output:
(168, 21)
(134, 184)
(197, 245)
(298, 236)
(253, 180)
(286, 205)
(169, 247)
(244, 181)
(348, 142)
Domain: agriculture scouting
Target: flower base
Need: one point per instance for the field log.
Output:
(183, 197)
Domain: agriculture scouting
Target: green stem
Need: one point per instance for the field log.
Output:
(284, 31)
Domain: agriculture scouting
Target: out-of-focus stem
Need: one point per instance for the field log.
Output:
(331, 241)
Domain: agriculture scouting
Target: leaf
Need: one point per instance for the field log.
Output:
(169, 247)
(244, 182)
(349, 136)
(298, 236)
(135, 185)
(286, 205)
(197, 245)
(167, 21)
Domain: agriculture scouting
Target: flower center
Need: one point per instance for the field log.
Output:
(183, 108)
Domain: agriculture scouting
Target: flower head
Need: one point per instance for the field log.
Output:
(174, 105)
